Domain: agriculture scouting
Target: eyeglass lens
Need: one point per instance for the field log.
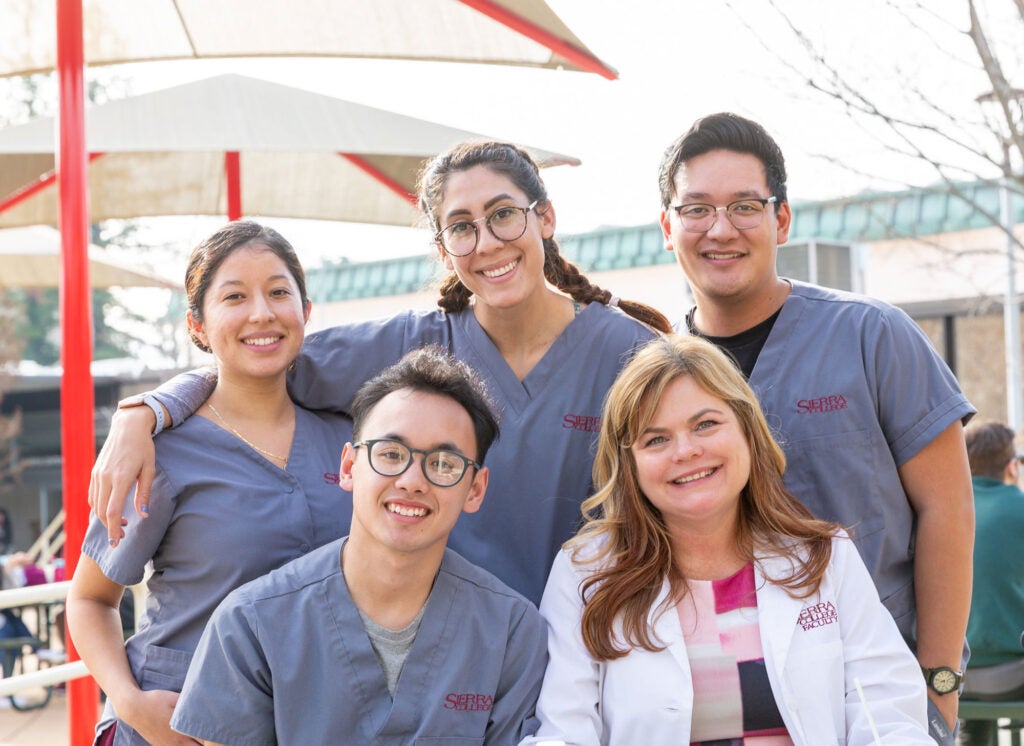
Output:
(505, 224)
(743, 214)
(391, 458)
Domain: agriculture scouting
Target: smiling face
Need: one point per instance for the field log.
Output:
(408, 514)
(253, 318)
(726, 266)
(502, 274)
(692, 459)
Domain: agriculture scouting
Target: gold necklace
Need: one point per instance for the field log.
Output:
(245, 440)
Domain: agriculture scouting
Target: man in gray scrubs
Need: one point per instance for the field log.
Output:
(870, 417)
(386, 636)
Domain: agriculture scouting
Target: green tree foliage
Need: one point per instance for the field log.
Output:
(10, 424)
(37, 317)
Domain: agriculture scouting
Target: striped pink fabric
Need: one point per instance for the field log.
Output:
(732, 701)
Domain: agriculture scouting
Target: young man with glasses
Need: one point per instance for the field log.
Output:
(386, 636)
(870, 417)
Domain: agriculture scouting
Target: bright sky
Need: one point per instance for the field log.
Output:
(678, 60)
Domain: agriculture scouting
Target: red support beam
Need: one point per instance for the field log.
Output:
(579, 57)
(18, 196)
(233, 175)
(78, 449)
(368, 168)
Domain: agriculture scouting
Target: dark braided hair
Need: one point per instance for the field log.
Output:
(517, 166)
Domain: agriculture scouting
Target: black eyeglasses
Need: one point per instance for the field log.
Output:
(744, 214)
(507, 223)
(389, 458)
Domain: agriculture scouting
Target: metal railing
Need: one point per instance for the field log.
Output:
(27, 596)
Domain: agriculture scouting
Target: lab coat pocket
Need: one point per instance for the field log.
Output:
(164, 668)
(816, 692)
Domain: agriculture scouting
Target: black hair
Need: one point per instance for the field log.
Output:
(723, 131)
(432, 370)
(517, 166)
(207, 257)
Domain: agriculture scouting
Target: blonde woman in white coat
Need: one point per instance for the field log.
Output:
(701, 602)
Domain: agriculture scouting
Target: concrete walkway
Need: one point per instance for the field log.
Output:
(47, 726)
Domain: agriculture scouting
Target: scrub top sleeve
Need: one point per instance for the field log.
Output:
(917, 394)
(526, 654)
(126, 563)
(568, 707)
(186, 392)
(334, 363)
(228, 695)
(875, 654)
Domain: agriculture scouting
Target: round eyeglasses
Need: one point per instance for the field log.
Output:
(507, 223)
(744, 214)
(442, 468)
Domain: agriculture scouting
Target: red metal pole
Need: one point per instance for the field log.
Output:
(78, 448)
(20, 195)
(579, 57)
(233, 174)
(368, 168)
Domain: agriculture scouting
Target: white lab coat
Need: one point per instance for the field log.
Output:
(814, 660)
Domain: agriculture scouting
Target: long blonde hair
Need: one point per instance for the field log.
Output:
(634, 554)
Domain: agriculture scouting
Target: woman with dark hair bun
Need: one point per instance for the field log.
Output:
(237, 492)
(546, 341)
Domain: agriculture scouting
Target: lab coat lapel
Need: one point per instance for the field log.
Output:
(664, 620)
(777, 611)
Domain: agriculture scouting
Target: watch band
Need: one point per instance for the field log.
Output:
(149, 400)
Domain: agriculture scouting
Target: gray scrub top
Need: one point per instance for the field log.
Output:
(286, 659)
(540, 465)
(853, 389)
(220, 516)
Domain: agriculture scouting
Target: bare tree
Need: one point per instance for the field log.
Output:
(951, 104)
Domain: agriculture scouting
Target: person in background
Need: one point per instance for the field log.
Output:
(869, 415)
(701, 603)
(384, 637)
(6, 532)
(238, 491)
(547, 342)
(996, 671)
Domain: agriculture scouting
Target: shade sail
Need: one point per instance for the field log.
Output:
(517, 32)
(301, 155)
(30, 258)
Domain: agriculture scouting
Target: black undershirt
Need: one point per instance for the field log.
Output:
(744, 347)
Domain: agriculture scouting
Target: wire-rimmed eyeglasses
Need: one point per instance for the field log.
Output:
(507, 223)
(390, 458)
(744, 214)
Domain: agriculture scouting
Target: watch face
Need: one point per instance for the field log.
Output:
(944, 681)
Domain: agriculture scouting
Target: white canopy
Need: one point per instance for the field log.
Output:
(164, 154)
(518, 32)
(30, 258)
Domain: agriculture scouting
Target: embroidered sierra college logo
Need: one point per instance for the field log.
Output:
(467, 701)
(818, 615)
(582, 422)
(822, 404)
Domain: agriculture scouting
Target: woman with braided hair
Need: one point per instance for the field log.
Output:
(546, 341)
